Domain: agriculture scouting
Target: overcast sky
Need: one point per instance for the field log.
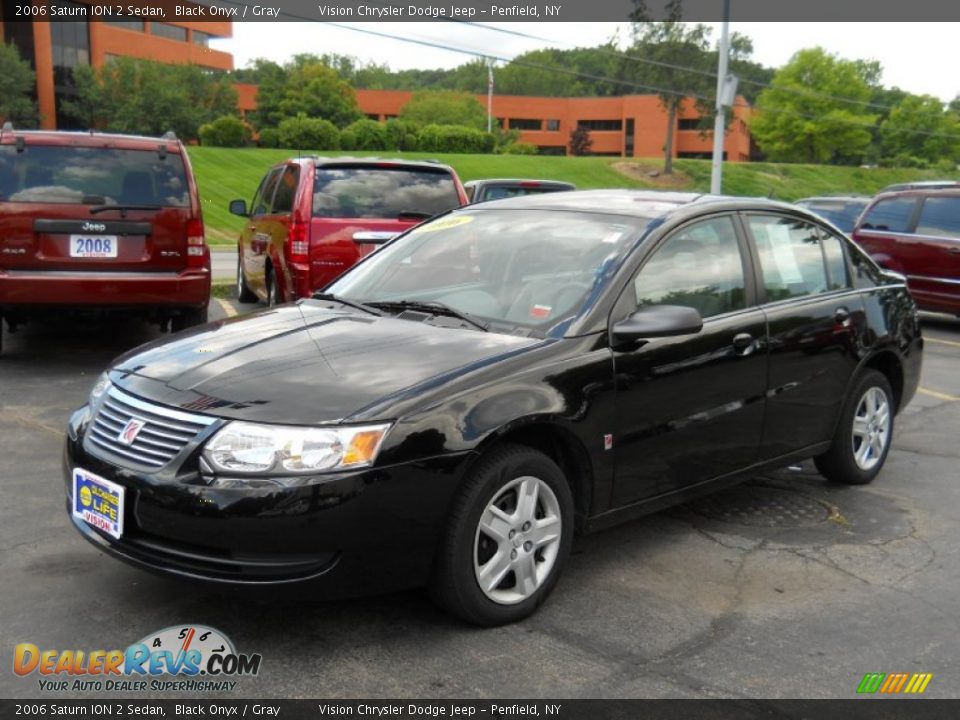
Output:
(917, 57)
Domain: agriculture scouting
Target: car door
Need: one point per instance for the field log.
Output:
(932, 253)
(815, 319)
(690, 408)
(886, 230)
(255, 239)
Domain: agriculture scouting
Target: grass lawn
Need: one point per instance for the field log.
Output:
(225, 174)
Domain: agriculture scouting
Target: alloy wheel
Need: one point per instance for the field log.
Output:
(871, 428)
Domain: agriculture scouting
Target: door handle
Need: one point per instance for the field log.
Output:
(842, 317)
(743, 343)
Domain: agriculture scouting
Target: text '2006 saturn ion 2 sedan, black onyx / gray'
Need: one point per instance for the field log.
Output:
(453, 409)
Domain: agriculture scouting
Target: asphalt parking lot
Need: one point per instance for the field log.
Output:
(785, 587)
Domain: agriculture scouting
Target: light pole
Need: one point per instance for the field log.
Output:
(726, 89)
(489, 94)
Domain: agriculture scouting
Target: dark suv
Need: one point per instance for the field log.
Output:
(313, 218)
(917, 233)
(90, 221)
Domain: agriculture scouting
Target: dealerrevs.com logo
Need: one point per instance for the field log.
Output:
(199, 658)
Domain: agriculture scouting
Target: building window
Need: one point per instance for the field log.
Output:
(373, 116)
(628, 138)
(525, 124)
(136, 25)
(169, 31)
(697, 155)
(601, 125)
(552, 149)
(201, 38)
(70, 48)
(553, 125)
(688, 124)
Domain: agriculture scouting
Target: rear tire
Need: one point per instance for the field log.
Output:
(864, 434)
(273, 296)
(509, 535)
(244, 293)
(188, 319)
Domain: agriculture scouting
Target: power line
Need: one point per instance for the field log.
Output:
(672, 66)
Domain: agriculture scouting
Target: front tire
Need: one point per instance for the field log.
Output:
(864, 434)
(244, 293)
(509, 535)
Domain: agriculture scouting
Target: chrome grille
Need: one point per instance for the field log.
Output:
(164, 433)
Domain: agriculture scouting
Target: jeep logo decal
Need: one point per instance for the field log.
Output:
(93, 227)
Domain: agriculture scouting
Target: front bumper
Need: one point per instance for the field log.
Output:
(166, 289)
(350, 534)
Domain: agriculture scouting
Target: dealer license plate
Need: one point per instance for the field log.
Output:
(98, 502)
(93, 246)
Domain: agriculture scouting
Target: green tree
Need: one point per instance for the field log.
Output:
(683, 51)
(919, 127)
(306, 133)
(16, 88)
(150, 98)
(813, 111)
(445, 107)
(364, 135)
(225, 131)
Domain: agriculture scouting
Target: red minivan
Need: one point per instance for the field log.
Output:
(312, 218)
(94, 222)
(917, 233)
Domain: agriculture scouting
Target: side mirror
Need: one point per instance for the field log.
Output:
(657, 321)
(239, 207)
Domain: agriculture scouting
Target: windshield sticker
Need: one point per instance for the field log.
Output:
(445, 223)
(540, 311)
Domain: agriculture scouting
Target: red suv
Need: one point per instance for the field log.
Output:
(917, 233)
(312, 218)
(90, 221)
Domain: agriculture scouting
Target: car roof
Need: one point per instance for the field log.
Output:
(323, 161)
(638, 203)
(516, 181)
(835, 198)
(89, 138)
(922, 185)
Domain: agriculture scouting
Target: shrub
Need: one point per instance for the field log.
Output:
(348, 139)
(455, 139)
(367, 135)
(225, 131)
(402, 135)
(520, 148)
(304, 133)
(269, 138)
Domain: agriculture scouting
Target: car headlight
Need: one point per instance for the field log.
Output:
(249, 449)
(98, 390)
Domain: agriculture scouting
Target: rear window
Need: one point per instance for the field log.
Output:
(92, 176)
(373, 192)
(502, 192)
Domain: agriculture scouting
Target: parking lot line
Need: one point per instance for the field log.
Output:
(942, 342)
(938, 395)
(227, 307)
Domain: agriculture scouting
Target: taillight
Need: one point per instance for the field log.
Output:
(298, 239)
(197, 251)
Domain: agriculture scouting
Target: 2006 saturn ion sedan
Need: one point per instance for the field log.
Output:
(455, 407)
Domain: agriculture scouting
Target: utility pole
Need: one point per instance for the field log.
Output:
(723, 89)
(489, 94)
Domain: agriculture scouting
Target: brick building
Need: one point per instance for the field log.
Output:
(628, 126)
(55, 48)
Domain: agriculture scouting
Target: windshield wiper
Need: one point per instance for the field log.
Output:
(330, 297)
(122, 208)
(413, 215)
(431, 306)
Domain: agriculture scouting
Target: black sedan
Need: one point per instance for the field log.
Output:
(455, 407)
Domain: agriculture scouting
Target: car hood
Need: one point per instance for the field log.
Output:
(306, 364)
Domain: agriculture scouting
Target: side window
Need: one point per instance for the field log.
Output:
(286, 190)
(838, 276)
(940, 217)
(892, 215)
(790, 256)
(264, 197)
(700, 267)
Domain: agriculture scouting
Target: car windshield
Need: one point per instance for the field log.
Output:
(508, 268)
(382, 192)
(92, 176)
